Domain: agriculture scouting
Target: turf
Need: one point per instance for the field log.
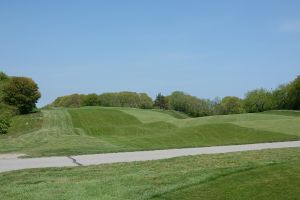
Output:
(280, 181)
(267, 174)
(294, 113)
(57, 136)
(125, 130)
(173, 113)
(96, 130)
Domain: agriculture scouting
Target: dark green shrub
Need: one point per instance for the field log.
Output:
(4, 124)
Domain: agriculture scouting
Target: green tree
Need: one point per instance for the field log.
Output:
(294, 94)
(145, 101)
(128, 99)
(231, 105)
(190, 105)
(109, 99)
(21, 92)
(72, 101)
(259, 100)
(91, 100)
(281, 98)
(161, 101)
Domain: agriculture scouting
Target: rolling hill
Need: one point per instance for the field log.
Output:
(101, 129)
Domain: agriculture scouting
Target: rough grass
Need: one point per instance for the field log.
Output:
(97, 129)
(267, 174)
(22, 124)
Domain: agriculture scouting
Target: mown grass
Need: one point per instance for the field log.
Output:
(96, 130)
(267, 174)
(295, 113)
(57, 136)
(278, 181)
(173, 113)
(126, 130)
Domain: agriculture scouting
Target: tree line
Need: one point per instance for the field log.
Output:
(285, 96)
(116, 99)
(18, 95)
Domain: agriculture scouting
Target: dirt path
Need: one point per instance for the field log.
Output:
(10, 163)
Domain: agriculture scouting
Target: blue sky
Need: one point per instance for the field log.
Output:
(205, 48)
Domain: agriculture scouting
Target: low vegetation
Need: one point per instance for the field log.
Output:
(100, 129)
(258, 100)
(267, 174)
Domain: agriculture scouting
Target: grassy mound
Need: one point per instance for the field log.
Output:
(122, 129)
(97, 129)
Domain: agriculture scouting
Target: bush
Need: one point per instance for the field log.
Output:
(4, 124)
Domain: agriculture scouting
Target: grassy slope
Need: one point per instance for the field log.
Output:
(94, 130)
(268, 174)
(57, 136)
(286, 122)
(126, 130)
(23, 124)
(173, 113)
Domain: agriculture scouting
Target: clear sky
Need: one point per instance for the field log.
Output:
(206, 48)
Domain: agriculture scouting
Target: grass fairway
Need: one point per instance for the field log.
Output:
(267, 174)
(96, 129)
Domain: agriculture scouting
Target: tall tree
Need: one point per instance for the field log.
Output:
(281, 98)
(91, 100)
(161, 101)
(294, 94)
(259, 100)
(145, 101)
(231, 105)
(21, 92)
(188, 104)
